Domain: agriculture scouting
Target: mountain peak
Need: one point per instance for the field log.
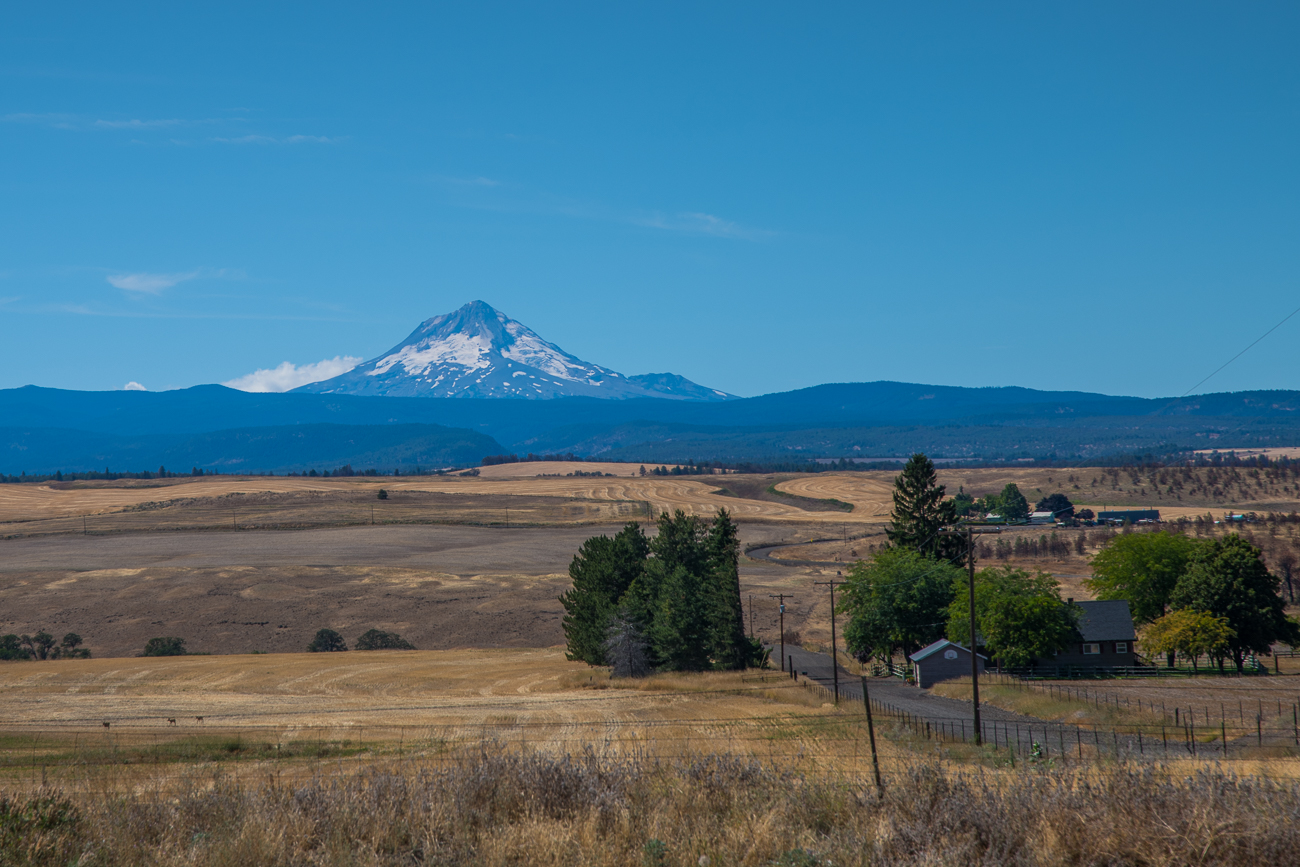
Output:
(478, 351)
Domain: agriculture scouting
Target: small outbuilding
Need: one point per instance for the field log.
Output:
(943, 660)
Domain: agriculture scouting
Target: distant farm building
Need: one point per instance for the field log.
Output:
(1042, 518)
(942, 660)
(1132, 516)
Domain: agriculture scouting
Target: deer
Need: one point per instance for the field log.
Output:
(198, 719)
(171, 720)
(107, 724)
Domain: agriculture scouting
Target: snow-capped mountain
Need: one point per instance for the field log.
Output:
(478, 351)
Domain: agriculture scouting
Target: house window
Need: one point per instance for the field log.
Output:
(1121, 647)
(1091, 649)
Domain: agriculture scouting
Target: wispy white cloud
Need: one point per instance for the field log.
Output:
(134, 386)
(272, 140)
(478, 193)
(148, 283)
(144, 124)
(59, 120)
(288, 375)
(697, 223)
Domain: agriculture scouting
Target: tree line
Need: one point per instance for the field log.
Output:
(42, 645)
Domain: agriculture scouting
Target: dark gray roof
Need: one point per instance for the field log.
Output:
(1106, 621)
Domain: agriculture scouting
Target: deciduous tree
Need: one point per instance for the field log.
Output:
(377, 639)
(1189, 634)
(1020, 617)
(327, 641)
(165, 646)
(1142, 568)
(1227, 578)
(896, 599)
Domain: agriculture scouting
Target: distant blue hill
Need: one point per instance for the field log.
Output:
(289, 448)
(834, 420)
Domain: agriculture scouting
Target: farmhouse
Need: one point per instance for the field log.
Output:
(1104, 639)
(942, 660)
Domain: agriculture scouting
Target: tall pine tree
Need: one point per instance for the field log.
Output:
(729, 647)
(920, 512)
(602, 572)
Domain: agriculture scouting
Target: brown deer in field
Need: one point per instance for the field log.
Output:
(106, 724)
(171, 720)
(198, 719)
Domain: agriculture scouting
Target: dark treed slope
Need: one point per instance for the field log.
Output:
(291, 448)
(836, 420)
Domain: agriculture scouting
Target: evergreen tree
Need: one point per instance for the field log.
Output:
(602, 572)
(679, 635)
(729, 648)
(680, 591)
(680, 542)
(920, 512)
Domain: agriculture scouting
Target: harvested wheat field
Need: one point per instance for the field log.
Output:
(510, 757)
(428, 701)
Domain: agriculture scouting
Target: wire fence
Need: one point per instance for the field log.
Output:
(814, 743)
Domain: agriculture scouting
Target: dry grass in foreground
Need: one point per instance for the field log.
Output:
(496, 809)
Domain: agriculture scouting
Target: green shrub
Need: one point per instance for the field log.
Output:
(165, 647)
(327, 641)
(376, 639)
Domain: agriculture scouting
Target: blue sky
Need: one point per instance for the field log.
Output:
(758, 196)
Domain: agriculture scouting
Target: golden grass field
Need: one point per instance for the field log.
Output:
(497, 591)
(441, 566)
(426, 701)
(430, 700)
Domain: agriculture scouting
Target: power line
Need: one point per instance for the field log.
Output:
(1239, 354)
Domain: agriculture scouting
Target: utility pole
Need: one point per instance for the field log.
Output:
(751, 616)
(782, 597)
(969, 535)
(835, 664)
(871, 731)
